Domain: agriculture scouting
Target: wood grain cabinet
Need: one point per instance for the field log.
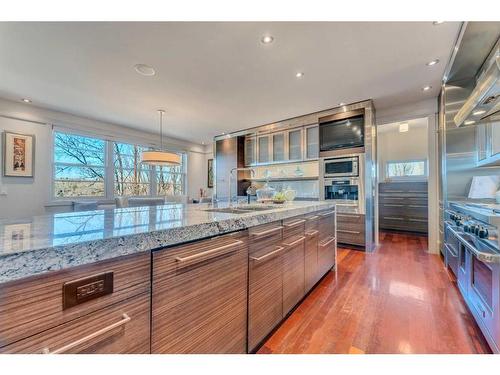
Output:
(327, 242)
(33, 317)
(293, 262)
(312, 272)
(351, 229)
(199, 296)
(265, 289)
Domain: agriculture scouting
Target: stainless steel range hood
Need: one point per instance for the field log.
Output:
(483, 104)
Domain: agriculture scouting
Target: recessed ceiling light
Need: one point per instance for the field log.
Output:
(267, 39)
(144, 69)
(26, 100)
(426, 88)
(478, 112)
(432, 62)
(469, 122)
(437, 23)
(223, 133)
(341, 103)
(403, 128)
(299, 74)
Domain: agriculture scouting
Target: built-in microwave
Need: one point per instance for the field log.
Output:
(341, 167)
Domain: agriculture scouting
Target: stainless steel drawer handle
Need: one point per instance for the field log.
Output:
(208, 254)
(392, 218)
(125, 319)
(294, 242)
(417, 191)
(327, 242)
(348, 231)
(418, 220)
(266, 232)
(312, 233)
(393, 205)
(295, 223)
(353, 216)
(394, 191)
(330, 213)
(268, 255)
(312, 218)
(417, 205)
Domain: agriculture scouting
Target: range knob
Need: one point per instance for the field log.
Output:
(483, 233)
(466, 228)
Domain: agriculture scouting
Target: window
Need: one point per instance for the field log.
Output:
(79, 166)
(131, 177)
(170, 180)
(80, 170)
(407, 168)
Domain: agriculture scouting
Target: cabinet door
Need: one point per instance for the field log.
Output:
(250, 148)
(295, 144)
(495, 138)
(293, 272)
(311, 272)
(312, 142)
(327, 241)
(481, 142)
(265, 293)
(263, 149)
(199, 300)
(278, 147)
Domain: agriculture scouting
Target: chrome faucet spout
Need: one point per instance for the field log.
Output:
(252, 172)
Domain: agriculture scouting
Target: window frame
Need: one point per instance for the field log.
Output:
(414, 177)
(109, 169)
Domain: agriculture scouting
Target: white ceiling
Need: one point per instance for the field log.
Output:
(394, 126)
(218, 77)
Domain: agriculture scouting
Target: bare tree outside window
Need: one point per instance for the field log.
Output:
(411, 168)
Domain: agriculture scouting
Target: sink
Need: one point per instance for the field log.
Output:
(239, 210)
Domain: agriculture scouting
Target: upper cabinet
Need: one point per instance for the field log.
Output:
(295, 145)
(312, 142)
(283, 146)
(278, 147)
(488, 144)
(250, 150)
(263, 149)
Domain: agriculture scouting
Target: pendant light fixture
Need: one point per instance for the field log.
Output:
(161, 157)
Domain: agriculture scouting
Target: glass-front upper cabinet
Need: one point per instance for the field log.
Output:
(250, 150)
(295, 144)
(263, 149)
(495, 138)
(481, 141)
(278, 147)
(312, 142)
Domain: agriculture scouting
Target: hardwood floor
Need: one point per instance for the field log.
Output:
(399, 299)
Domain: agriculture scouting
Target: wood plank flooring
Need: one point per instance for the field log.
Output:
(399, 299)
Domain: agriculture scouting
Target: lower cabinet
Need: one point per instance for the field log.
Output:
(312, 273)
(351, 229)
(199, 297)
(119, 329)
(293, 272)
(265, 289)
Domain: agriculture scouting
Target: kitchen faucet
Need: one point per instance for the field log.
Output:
(252, 171)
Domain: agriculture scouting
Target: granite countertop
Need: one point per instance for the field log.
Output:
(58, 241)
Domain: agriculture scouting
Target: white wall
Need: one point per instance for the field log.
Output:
(395, 146)
(26, 197)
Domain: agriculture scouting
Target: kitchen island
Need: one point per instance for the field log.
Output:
(161, 279)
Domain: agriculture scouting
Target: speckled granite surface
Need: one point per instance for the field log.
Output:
(58, 241)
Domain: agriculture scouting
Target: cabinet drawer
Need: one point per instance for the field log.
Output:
(326, 224)
(311, 271)
(392, 209)
(120, 328)
(265, 292)
(293, 272)
(263, 236)
(326, 255)
(312, 222)
(294, 227)
(352, 234)
(403, 187)
(200, 296)
(417, 211)
(33, 305)
(343, 218)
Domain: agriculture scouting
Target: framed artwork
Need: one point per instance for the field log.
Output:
(18, 155)
(17, 236)
(210, 181)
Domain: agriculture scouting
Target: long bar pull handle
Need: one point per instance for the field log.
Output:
(294, 242)
(295, 223)
(312, 218)
(266, 232)
(327, 213)
(417, 205)
(419, 220)
(348, 231)
(221, 250)
(311, 233)
(125, 319)
(393, 205)
(393, 218)
(327, 242)
(340, 215)
(268, 255)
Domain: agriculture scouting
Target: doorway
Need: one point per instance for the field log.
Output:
(405, 172)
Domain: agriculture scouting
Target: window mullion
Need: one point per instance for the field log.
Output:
(153, 189)
(109, 179)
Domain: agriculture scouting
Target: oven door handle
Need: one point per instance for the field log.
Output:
(480, 255)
